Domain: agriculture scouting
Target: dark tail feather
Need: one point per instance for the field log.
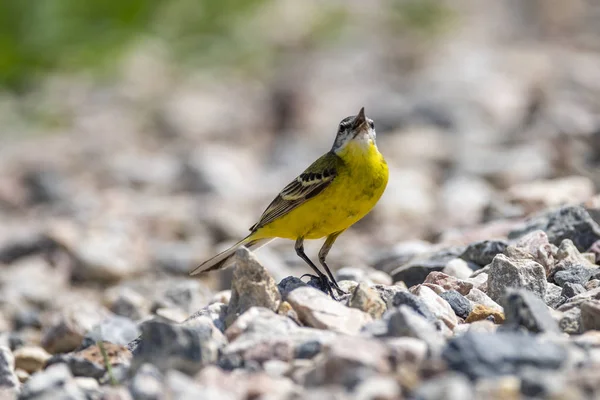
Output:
(220, 260)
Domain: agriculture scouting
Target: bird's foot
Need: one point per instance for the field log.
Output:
(322, 283)
(339, 289)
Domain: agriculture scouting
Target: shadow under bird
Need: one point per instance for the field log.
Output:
(333, 193)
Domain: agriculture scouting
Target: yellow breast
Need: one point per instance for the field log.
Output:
(359, 184)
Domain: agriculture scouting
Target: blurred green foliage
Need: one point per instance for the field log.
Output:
(41, 36)
(426, 18)
(37, 36)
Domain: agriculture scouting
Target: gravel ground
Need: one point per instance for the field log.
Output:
(517, 317)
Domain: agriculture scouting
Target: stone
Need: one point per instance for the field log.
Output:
(592, 284)
(115, 329)
(30, 245)
(242, 384)
(69, 328)
(595, 251)
(570, 321)
(224, 297)
(480, 281)
(181, 386)
(536, 384)
(459, 304)
(438, 306)
(450, 386)
(215, 311)
(407, 350)
(8, 378)
(22, 375)
(577, 274)
(416, 303)
(346, 286)
(317, 310)
(171, 314)
(554, 296)
(571, 289)
(350, 360)
(457, 268)
(186, 347)
(260, 335)
(576, 301)
(378, 387)
(404, 321)
(379, 277)
(367, 299)
(449, 282)
(307, 350)
(24, 319)
(416, 270)
(572, 266)
(590, 315)
(89, 362)
(30, 358)
(536, 244)
(478, 297)
(89, 386)
(387, 292)
(481, 312)
(288, 284)
(502, 387)
(437, 289)
(147, 383)
(508, 273)
(126, 302)
(482, 253)
(187, 295)
(568, 222)
(276, 368)
(287, 310)
(483, 326)
(251, 286)
(525, 310)
(486, 355)
(55, 382)
(260, 320)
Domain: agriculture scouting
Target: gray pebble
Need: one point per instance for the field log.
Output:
(460, 305)
(55, 382)
(486, 355)
(417, 304)
(525, 310)
(8, 379)
(572, 289)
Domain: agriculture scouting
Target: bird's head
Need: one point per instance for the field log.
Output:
(356, 129)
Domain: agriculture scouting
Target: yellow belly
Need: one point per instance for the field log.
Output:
(352, 194)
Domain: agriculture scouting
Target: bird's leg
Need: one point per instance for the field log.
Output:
(324, 281)
(323, 255)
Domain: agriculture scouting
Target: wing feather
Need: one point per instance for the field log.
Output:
(307, 185)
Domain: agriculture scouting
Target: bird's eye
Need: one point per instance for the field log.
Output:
(371, 124)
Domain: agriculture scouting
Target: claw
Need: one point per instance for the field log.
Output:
(326, 285)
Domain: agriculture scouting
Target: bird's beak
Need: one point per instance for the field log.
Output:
(360, 120)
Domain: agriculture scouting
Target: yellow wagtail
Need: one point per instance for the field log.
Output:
(332, 194)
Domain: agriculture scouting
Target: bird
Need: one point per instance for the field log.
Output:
(332, 194)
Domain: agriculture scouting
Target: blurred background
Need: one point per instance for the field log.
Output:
(141, 137)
